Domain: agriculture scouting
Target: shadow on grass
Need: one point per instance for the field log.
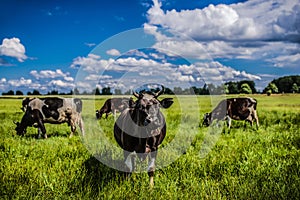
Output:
(94, 176)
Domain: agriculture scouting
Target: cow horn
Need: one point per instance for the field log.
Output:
(136, 94)
(160, 91)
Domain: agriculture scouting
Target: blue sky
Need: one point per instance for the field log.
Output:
(58, 45)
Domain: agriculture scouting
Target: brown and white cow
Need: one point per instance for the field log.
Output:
(113, 105)
(141, 128)
(53, 110)
(243, 108)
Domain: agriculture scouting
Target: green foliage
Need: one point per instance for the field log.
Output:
(295, 88)
(270, 89)
(245, 89)
(244, 86)
(285, 84)
(243, 164)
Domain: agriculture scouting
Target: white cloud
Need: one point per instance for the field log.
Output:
(13, 48)
(20, 82)
(212, 22)
(113, 52)
(49, 74)
(95, 77)
(90, 44)
(60, 83)
(257, 29)
(92, 63)
(251, 20)
(280, 61)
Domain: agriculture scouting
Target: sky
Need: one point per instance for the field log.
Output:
(59, 45)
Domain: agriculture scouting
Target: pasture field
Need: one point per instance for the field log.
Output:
(241, 163)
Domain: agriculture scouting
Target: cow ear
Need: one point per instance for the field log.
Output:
(131, 103)
(167, 102)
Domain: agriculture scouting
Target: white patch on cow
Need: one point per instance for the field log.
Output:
(128, 161)
(36, 104)
(151, 164)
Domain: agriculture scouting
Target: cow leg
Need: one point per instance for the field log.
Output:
(41, 128)
(151, 167)
(256, 118)
(81, 126)
(228, 119)
(73, 129)
(129, 161)
(39, 133)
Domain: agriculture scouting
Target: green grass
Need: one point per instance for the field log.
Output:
(241, 163)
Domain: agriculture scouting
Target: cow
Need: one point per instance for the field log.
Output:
(112, 105)
(53, 110)
(25, 103)
(141, 128)
(243, 108)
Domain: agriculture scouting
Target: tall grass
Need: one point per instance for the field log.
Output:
(243, 163)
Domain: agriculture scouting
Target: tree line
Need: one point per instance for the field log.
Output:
(286, 84)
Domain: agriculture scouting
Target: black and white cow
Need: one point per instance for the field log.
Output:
(243, 108)
(113, 105)
(141, 128)
(53, 110)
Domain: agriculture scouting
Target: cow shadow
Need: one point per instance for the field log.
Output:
(94, 175)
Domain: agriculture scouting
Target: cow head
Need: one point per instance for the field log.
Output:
(147, 108)
(20, 129)
(206, 119)
(98, 114)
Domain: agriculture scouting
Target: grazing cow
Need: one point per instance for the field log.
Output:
(243, 108)
(141, 128)
(53, 110)
(112, 106)
(25, 103)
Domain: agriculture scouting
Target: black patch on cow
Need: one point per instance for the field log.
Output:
(51, 107)
(78, 104)
(54, 103)
(50, 113)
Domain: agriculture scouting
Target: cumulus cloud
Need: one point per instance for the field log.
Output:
(91, 63)
(47, 74)
(13, 48)
(252, 20)
(132, 71)
(210, 23)
(257, 29)
(61, 84)
(113, 52)
(20, 82)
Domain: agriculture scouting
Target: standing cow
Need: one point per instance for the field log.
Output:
(141, 128)
(53, 110)
(243, 108)
(113, 105)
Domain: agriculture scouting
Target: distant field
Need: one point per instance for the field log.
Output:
(243, 163)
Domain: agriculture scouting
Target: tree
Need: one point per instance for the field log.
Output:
(118, 92)
(178, 90)
(250, 83)
(106, 91)
(270, 89)
(295, 88)
(245, 89)
(10, 92)
(97, 91)
(75, 91)
(232, 87)
(36, 92)
(19, 93)
(285, 83)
